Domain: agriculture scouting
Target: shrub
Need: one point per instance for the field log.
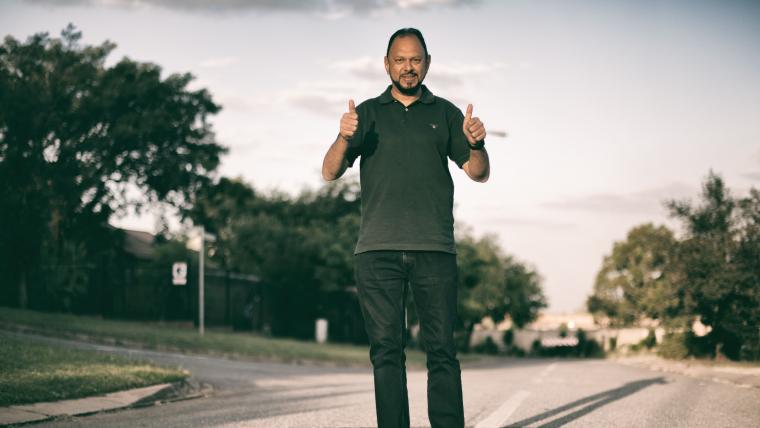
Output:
(592, 349)
(487, 347)
(673, 346)
(508, 337)
(535, 347)
(650, 341)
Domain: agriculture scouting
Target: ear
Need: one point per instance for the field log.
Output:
(427, 63)
(387, 65)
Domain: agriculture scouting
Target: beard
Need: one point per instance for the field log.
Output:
(411, 90)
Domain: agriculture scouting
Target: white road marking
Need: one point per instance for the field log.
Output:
(500, 416)
(545, 372)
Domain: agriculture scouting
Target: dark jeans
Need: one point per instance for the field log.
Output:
(382, 278)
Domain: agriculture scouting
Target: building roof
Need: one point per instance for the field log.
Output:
(139, 244)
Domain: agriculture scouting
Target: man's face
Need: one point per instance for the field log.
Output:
(406, 64)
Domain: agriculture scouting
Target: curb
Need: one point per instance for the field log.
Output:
(743, 377)
(131, 398)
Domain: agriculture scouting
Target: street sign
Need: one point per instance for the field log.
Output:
(179, 273)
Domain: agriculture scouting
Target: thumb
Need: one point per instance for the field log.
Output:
(351, 106)
(468, 115)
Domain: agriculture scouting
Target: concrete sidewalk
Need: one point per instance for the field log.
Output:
(40, 411)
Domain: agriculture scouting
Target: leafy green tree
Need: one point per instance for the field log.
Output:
(717, 263)
(748, 263)
(523, 294)
(76, 137)
(494, 285)
(634, 281)
(481, 293)
(301, 247)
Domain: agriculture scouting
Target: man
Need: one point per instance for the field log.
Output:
(406, 239)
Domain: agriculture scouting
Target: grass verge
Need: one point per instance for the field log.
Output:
(34, 373)
(161, 336)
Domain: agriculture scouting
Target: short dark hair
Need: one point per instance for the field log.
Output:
(407, 32)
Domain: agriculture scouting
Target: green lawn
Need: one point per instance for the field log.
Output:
(154, 335)
(36, 373)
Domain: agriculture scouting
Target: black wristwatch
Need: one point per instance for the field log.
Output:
(478, 145)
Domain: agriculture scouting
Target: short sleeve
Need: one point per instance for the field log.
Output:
(354, 150)
(459, 148)
(355, 145)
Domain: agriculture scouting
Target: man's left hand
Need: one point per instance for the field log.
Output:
(472, 127)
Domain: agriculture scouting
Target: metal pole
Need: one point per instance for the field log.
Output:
(200, 281)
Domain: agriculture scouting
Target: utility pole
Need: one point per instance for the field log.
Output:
(201, 275)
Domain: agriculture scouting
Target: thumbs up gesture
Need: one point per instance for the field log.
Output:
(472, 127)
(349, 123)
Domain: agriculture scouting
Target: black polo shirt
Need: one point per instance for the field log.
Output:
(407, 191)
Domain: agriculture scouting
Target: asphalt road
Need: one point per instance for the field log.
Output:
(515, 392)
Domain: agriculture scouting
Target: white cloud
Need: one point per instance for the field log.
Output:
(444, 75)
(367, 78)
(327, 98)
(452, 75)
(329, 9)
(526, 222)
(368, 68)
(423, 4)
(319, 103)
(648, 201)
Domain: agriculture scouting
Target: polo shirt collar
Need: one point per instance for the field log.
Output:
(427, 97)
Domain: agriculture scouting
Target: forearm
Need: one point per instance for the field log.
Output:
(335, 163)
(479, 167)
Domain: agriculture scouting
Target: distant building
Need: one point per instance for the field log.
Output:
(558, 329)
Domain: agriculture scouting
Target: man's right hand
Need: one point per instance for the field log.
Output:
(349, 123)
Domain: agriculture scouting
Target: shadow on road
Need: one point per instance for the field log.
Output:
(596, 400)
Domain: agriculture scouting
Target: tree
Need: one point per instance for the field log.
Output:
(301, 247)
(76, 137)
(634, 281)
(717, 264)
(494, 285)
(748, 264)
(523, 295)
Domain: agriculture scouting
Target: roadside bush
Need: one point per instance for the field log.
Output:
(700, 346)
(508, 337)
(461, 341)
(592, 349)
(587, 348)
(535, 347)
(487, 347)
(688, 344)
(648, 342)
(563, 330)
(750, 352)
(673, 346)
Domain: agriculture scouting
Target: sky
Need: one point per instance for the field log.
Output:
(610, 107)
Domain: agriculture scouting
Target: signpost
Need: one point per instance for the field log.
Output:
(201, 275)
(201, 302)
(179, 273)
